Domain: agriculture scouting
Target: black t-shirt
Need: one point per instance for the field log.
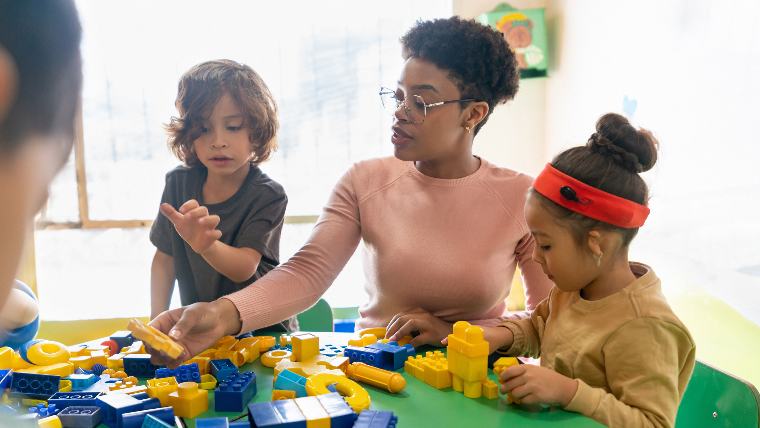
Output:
(251, 218)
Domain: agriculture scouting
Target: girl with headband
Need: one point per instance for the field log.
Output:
(611, 348)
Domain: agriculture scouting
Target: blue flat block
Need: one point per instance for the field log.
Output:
(369, 356)
(234, 392)
(330, 350)
(291, 381)
(115, 405)
(344, 326)
(136, 419)
(34, 385)
(122, 338)
(213, 423)
(153, 422)
(5, 379)
(67, 399)
(279, 414)
(44, 411)
(394, 356)
(376, 419)
(81, 416)
(185, 373)
(222, 368)
(341, 414)
(240, 424)
(139, 365)
(80, 382)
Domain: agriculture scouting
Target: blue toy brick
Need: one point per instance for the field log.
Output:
(240, 424)
(115, 405)
(394, 356)
(291, 381)
(213, 423)
(136, 419)
(139, 365)
(344, 326)
(341, 414)
(44, 411)
(376, 419)
(234, 392)
(80, 416)
(122, 338)
(332, 350)
(80, 382)
(82, 398)
(185, 373)
(279, 414)
(153, 422)
(33, 385)
(5, 379)
(220, 369)
(369, 356)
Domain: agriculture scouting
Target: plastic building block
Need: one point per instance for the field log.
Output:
(122, 338)
(356, 396)
(139, 365)
(276, 414)
(432, 369)
(503, 363)
(344, 325)
(34, 385)
(203, 363)
(283, 394)
(365, 340)
(313, 367)
(114, 406)
(5, 379)
(50, 422)
(81, 416)
(207, 382)
(155, 339)
(252, 347)
(222, 368)
(265, 342)
(212, 423)
(136, 419)
(394, 355)
(340, 413)
(183, 373)
(371, 356)
(271, 358)
(375, 376)
(467, 355)
(81, 382)
(330, 350)
(289, 380)
(153, 422)
(305, 346)
(44, 411)
(189, 401)
(233, 393)
(490, 389)
(327, 410)
(57, 369)
(161, 388)
(113, 347)
(44, 352)
(114, 362)
(127, 388)
(375, 331)
(78, 399)
(376, 419)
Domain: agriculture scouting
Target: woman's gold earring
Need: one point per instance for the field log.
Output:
(599, 259)
(467, 127)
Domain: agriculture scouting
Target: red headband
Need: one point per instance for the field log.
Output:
(589, 201)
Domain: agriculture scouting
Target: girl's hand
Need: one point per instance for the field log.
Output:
(196, 327)
(530, 384)
(193, 223)
(427, 328)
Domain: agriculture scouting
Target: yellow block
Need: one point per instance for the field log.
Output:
(316, 416)
(60, 369)
(503, 363)
(161, 388)
(305, 346)
(155, 338)
(6, 358)
(283, 394)
(375, 376)
(356, 396)
(50, 422)
(364, 340)
(188, 401)
(490, 390)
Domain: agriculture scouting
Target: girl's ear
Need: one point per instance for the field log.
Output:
(594, 243)
(478, 110)
(7, 82)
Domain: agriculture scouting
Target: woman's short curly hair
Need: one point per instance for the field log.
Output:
(476, 57)
(199, 90)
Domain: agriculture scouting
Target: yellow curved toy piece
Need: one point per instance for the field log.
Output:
(208, 381)
(155, 338)
(265, 342)
(356, 396)
(50, 422)
(47, 353)
(378, 332)
(65, 385)
(271, 358)
(6, 358)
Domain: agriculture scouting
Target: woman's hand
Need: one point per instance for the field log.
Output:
(531, 384)
(196, 327)
(193, 223)
(425, 328)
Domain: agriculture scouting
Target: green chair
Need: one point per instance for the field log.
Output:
(317, 318)
(716, 399)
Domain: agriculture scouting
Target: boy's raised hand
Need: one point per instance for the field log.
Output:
(193, 224)
(531, 384)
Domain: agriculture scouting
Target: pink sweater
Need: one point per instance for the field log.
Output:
(449, 246)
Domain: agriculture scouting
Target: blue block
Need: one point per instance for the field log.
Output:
(341, 414)
(222, 368)
(291, 381)
(153, 422)
(279, 414)
(122, 338)
(240, 424)
(34, 385)
(394, 356)
(139, 365)
(67, 399)
(344, 326)
(115, 405)
(80, 416)
(185, 373)
(213, 423)
(330, 350)
(5, 379)
(44, 411)
(369, 356)
(136, 419)
(80, 382)
(234, 392)
(376, 419)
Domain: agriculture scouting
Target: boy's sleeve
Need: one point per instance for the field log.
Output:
(527, 332)
(647, 363)
(162, 229)
(262, 228)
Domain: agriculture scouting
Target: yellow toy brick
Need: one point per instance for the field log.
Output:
(503, 363)
(208, 382)
(490, 389)
(273, 357)
(136, 347)
(436, 373)
(154, 338)
(319, 364)
(188, 401)
(391, 381)
(161, 388)
(115, 362)
(467, 355)
(237, 357)
(6, 358)
(305, 347)
(226, 342)
(283, 394)
(284, 340)
(365, 340)
(202, 362)
(59, 369)
(50, 422)
(316, 416)
(265, 343)
(355, 396)
(376, 331)
(65, 385)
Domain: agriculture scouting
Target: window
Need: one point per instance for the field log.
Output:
(322, 60)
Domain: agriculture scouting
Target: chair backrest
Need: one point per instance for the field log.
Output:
(714, 398)
(317, 318)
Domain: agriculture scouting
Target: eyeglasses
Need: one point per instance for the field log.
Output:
(415, 108)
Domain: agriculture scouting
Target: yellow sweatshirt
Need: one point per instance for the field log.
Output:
(630, 354)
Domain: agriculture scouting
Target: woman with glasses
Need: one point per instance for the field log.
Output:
(443, 229)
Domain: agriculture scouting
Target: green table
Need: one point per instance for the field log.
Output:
(421, 405)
